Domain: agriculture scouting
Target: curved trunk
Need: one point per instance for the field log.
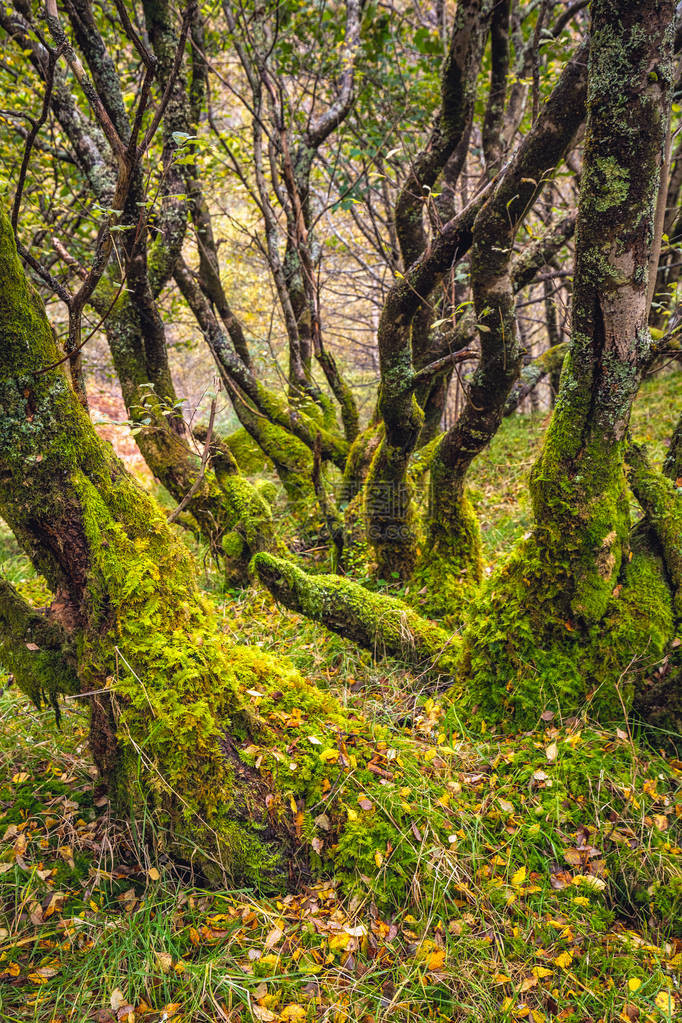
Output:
(247, 770)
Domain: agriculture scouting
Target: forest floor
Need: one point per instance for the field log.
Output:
(542, 914)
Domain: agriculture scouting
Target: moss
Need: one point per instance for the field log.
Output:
(250, 524)
(356, 555)
(662, 503)
(611, 186)
(292, 459)
(249, 456)
(450, 564)
(35, 649)
(582, 513)
(521, 656)
(377, 622)
(392, 523)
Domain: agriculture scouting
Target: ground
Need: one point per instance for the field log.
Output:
(557, 856)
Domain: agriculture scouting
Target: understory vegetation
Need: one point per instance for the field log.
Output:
(558, 851)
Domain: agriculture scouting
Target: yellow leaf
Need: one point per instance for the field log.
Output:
(292, 1012)
(519, 877)
(542, 971)
(551, 752)
(665, 1002)
(634, 983)
(564, 960)
(501, 978)
(20, 777)
(153, 874)
(194, 936)
(436, 959)
(339, 941)
(597, 884)
(378, 858)
(329, 755)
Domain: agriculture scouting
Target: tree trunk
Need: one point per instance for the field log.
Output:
(579, 609)
(244, 767)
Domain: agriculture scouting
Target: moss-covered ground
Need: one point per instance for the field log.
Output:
(558, 854)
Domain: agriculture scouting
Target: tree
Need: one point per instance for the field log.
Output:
(212, 730)
(285, 154)
(585, 605)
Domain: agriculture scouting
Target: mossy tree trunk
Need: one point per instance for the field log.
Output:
(247, 769)
(580, 608)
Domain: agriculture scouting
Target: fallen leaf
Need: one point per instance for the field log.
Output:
(436, 959)
(261, 1013)
(519, 877)
(598, 884)
(293, 1011)
(117, 999)
(164, 961)
(274, 937)
(665, 1002)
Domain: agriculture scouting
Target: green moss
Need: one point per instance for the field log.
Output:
(661, 500)
(249, 456)
(521, 656)
(450, 564)
(377, 622)
(35, 649)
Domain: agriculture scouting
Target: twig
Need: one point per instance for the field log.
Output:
(31, 137)
(202, 468)
(435, 367)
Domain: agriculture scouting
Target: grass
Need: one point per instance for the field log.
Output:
(557, 856)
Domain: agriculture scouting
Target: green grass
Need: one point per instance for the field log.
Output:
(558, 855)
(544, 846)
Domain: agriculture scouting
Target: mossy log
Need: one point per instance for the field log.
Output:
(376, 622)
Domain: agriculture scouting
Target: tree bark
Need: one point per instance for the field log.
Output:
(245, 769)
(580, 609)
